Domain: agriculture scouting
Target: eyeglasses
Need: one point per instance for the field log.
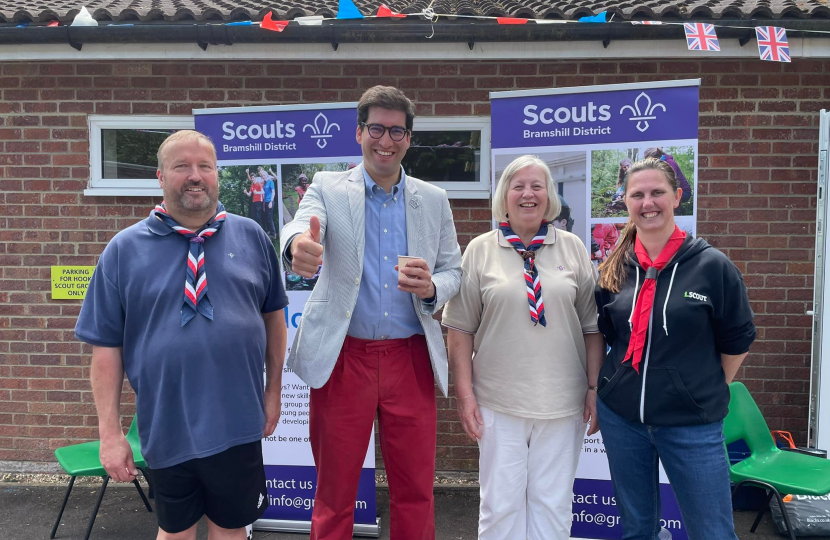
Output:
(376, 131)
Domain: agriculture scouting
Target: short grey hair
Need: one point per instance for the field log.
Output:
(188, 135)
(500, 196)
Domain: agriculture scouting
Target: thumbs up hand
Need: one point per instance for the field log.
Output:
(307, 251)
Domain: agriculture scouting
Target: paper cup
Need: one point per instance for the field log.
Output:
(402, 261)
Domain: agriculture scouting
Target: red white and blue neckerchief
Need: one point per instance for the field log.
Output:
(195, 283)
(534, 285)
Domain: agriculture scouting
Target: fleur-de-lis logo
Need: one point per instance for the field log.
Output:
(643, 111)
(321, 129)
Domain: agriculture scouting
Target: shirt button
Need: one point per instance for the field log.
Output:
(385, 258)
(348, 314)
(356, 281)
(383, 337)
(384, 231)
(386, 286)
(385, 313)
(384, 205)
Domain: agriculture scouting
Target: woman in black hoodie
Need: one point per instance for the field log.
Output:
(675, 314)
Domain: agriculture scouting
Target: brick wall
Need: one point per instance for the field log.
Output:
(756, 194)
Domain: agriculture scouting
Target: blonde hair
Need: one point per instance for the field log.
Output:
(500, 196)
(183, 135)
(612, 272)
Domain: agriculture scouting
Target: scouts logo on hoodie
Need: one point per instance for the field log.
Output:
(694, 295)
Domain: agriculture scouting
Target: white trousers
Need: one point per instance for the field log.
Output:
(526, 470)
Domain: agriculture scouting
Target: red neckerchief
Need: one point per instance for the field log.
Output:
(642, 309)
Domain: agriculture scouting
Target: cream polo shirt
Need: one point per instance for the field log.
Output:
(518, 368)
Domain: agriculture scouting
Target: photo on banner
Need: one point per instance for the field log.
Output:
(588, 136)
(608, 167)
(249, 191)
(604, 238)
(295, 181)
(267, 158)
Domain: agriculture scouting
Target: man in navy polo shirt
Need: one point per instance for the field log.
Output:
(193, 351)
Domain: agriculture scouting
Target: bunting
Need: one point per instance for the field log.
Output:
(772, 43)
(772, 40)
(269, 23)
(598, 18)
(701, 37)
(384, 11)
(347, 10)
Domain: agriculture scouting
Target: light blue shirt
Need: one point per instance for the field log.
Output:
(269, 189)
(382, 310)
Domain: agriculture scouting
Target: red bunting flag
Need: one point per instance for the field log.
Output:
(53, 23)
(270, 24)
(510, 20)
(384, 11)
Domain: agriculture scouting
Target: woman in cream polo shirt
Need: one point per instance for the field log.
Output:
(526, 311)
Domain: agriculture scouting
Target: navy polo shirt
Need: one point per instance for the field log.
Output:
(199, 388)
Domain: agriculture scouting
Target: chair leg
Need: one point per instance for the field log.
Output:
(784, 513)
(141, 492)
(762, 511)
(97, 506)
(63, 507)
(150, 492)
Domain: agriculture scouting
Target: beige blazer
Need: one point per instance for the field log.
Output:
(338, 200)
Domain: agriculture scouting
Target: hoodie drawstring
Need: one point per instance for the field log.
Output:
(666, 303)
(634, 300)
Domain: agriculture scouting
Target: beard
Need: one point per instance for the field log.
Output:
(207, 200)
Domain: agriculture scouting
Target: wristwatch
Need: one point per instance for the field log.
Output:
(594, 388)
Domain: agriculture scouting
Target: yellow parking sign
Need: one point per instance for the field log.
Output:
(70, 282)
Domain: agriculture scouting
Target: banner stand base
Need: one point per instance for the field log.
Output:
(285, 525)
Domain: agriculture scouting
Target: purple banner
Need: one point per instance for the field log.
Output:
(291, 492)
(595, 513)
(279, 135)
(613, 116)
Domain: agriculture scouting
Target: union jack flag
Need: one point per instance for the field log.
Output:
(646, 22)
(701, 37)
(772, 43)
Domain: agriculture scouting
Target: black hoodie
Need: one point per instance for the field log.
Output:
(681, 381)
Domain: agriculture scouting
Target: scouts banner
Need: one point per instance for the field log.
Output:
(589, 136)
(267, 158)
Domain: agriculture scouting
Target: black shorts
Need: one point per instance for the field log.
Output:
(228, 487)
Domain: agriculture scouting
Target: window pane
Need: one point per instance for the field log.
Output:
(444, 156)
(131, 153)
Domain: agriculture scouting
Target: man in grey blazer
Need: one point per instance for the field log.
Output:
(367, 342)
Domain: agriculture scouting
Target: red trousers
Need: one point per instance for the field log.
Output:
(392, 378)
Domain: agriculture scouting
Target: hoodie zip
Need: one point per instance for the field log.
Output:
(666, 303)
(649, 337)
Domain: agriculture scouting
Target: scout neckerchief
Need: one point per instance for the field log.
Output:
(195, 283)
(642, 309)
(534, 285)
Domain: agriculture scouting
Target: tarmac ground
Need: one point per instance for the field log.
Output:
(28, 511)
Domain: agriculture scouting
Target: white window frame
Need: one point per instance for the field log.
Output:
(100, 186)
(463, 190)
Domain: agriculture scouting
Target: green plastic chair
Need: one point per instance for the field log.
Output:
(775, 470)
(83, 460)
